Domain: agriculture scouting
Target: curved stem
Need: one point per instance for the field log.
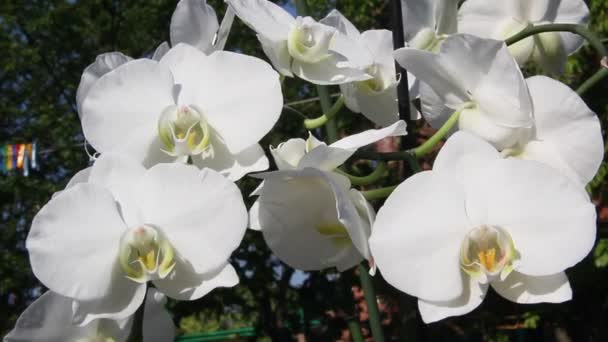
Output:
(366, 180)
(309, 100)
(327, 116)
(379, 193)
(413, 163)
(581, 30)
(591, 81)
(372, 303)
(428, 145)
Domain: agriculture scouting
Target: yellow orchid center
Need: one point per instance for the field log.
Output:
(336, 232)
(183, 131)
(487, 252)
(145, 254)
(374, 85)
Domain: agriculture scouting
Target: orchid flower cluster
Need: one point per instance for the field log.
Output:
(158, 214)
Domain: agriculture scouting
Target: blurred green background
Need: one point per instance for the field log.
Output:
(44, 47)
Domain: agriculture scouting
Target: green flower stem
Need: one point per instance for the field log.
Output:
(366, 180)
(355, 330)
(329, 112)
(428, 145)
(591, 81)
(380, 193)
(413, 163)
(372, 303)
(581, 30)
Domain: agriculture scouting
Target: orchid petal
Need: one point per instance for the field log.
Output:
(330, 71)
(125, 297)
(287, 155)
(523, 289)
(278, 54)
(233, 166)
(128, 98)
(157, 325)
(408, 228)
(330, 157)
(49, 318)
(549, 237)
(264, 17)
(103, 64)
(472, 296)
(186, 284)
(568, 135)
(295, 206)
(118, 174)
(201, 213)
(160, 51)
(73, 242)
(216, 86)
(194, 22)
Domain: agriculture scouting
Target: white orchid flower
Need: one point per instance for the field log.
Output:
(503, 19)
(186, 105)
(477, 77)
(328, 222)
(312, 220)
(104, 237)
(427, 23)
(49, 319)
(375, 98)
(300, 153)
(312, 51)
(477, 220)
(566, 135)
(193, 22)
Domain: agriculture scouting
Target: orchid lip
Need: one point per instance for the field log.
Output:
(184, 131)
(145, 254)
(307, 44)
(376, 84)
(98, 338)
(488, 252)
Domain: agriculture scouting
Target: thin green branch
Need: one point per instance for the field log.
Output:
(295, 111)
(372, 303)
(309, 100)
(366, 180)
(380, 193)
(329, 113)
(581, 30)
(428, 145)
(591, 81)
